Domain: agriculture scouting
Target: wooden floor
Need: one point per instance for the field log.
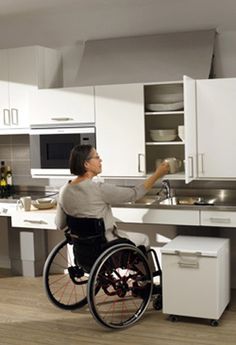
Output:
(27, 318)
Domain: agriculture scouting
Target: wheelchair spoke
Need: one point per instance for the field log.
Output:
(125, 289)
(64, 282)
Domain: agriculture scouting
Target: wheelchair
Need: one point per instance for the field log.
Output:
(114, 278)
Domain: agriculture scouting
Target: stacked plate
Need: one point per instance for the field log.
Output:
(165, 106)
(163, 134)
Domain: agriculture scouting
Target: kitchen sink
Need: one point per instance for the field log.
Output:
(188, 200)
(145, 200)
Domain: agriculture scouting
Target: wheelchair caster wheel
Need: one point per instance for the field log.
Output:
(173, 318)
(157, 303)
(214, 323)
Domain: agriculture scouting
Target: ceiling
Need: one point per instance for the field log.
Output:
(64, 22)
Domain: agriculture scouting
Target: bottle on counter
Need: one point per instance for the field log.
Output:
(9, 176)
(3, 183)
(3, 169)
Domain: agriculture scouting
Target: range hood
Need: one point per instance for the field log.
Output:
(153, 58)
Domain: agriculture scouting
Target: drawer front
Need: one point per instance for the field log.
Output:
(155, 216)
(188, 295)
(218, 218)
(33, 220)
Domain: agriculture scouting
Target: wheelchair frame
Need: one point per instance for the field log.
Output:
(118, 288)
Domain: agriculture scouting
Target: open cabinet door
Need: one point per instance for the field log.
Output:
(190, 121)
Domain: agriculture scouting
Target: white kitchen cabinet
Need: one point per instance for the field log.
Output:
(167, 106)
(34, 219)
(190, 125)
(157, 216)
(22, 69)
(218, 218)
(216, 124)
(120, 129)
(62, 106)
(163, 111)
(196, 276)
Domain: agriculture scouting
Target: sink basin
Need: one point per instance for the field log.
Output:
(188, 200)
(145, 200)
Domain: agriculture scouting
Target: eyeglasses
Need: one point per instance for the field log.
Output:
(95, 157)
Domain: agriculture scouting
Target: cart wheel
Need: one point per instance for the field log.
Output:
(214, 323)
(173, 318)
(157, 303)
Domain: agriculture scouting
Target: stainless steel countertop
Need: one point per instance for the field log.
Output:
(224, 200)
(156, 205)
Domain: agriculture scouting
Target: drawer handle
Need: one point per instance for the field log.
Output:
(35, 221)
(188, 264)
(188, 260)
(220, 220)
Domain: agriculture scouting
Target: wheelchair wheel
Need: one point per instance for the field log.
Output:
(120, 286)
(65, 282)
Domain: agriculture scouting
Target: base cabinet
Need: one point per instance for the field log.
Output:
(196, 276)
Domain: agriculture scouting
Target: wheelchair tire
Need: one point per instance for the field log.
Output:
(120, 286)
(64, 281)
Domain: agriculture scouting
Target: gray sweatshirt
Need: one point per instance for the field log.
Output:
(94, 199)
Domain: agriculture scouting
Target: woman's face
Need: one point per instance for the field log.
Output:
(94, 163)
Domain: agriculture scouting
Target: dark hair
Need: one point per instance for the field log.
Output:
(78, 156)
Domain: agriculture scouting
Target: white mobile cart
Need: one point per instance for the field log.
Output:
(195, 273)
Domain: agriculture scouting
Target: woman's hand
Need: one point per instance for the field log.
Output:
(163, 169)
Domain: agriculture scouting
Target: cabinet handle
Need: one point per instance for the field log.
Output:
(201, 162)
(190, 158)
(6, 117)
(188, 260)
(62, 118)
(14, 116)
(220, 220)
(139, 162)
(35, 221)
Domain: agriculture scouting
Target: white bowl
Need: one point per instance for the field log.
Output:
(45, 204)
(163, 134)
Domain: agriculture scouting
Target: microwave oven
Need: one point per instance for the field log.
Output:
(50, 149)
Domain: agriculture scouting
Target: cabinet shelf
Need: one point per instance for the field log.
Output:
(171, 112)
(165, 143)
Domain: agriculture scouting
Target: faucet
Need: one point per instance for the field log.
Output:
(166, 186)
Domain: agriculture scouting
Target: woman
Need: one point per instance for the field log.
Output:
(82, 197)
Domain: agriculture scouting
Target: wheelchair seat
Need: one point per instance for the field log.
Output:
(89, 241)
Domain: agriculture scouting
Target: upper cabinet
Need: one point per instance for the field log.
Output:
(216, 123)
(170, 126)
(65, 106)
(164, 114)
(139, 125)
(22, 69)
(120, 129)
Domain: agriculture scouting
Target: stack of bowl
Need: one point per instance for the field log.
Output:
(163, 134)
